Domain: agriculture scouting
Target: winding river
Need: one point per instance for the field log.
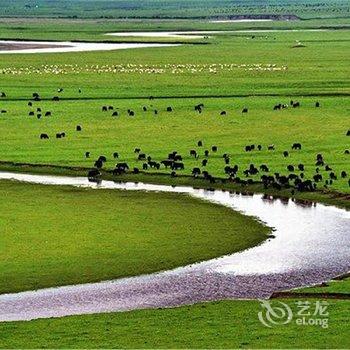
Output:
(311, 245)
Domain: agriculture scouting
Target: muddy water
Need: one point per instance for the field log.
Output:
(16, 46)
(311, 245)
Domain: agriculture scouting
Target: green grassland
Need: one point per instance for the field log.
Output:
(317, 72)
(189, 74)
(120, 234)
(224, 324)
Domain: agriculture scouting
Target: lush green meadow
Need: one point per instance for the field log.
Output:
(125, 233)
(229, 73)
(224, 324)
(119, 233)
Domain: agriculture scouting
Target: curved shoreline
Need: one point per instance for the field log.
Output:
(311, 245)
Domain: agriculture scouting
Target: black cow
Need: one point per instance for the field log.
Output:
(223, 113)
(177, 166)
(301, 167)
(285, 154)
(48, 114)
(196, 172)
(193, 153)
(137, 150)
(317, 104)
(245, 110)
(204, 162)
(98, 164)
(87, 154)
(343, 174)
(115, 114)
(44, 136)
(55, 98)
(144, 108)
(144, 166)
(290, 168)
(102, 159)
(259, 147)
(200, 144)
(348, 133)
(206, 153)
(271, 147)
(296, 146)
(214, 148)
(93, 173)
(31, 113)
(169, 109)
(104, 108)
(167, 163)
(78, 128)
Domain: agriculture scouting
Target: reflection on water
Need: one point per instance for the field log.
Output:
(311, 245)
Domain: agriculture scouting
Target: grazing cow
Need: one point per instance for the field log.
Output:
(248, 148)
(332, 176)
(177, 166)
(204, 162)
(123, 166)
(290, 168)
(155, 112)
(98, 164)
(200, 144)
(115, 114)
(38, 116)
(169, 109)
(137, 150)
(328, 168)
(214, 148)
(144, 108)
(285, 154)
(223, 113)
(153, 164)
(102, 159)
(193, 153)
(196, 172)
(38, 109)
(141, 156)
(301, 167)
(2, 94)
(206, 153)
(346, 151)
(110, 108)
(58, 136)
(87, 154)
(317, 177)
(44, 136)
(31, 113)
(296, 104)
(30, 104)
(264, 168)
(245, 110)
(271, 147)
(48, 114)
(131, 113)
(177, 157)
(277, 107)
(227, 160)
(317, 104)
(343, 174)
(104, 108)
(296, 146)
(144, 166)
(259, 147)
(55, 98)
(348, 133)
(167, 163)
(93, 173)
(78, 128)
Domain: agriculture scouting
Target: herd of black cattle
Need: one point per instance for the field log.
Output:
(174, 160)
